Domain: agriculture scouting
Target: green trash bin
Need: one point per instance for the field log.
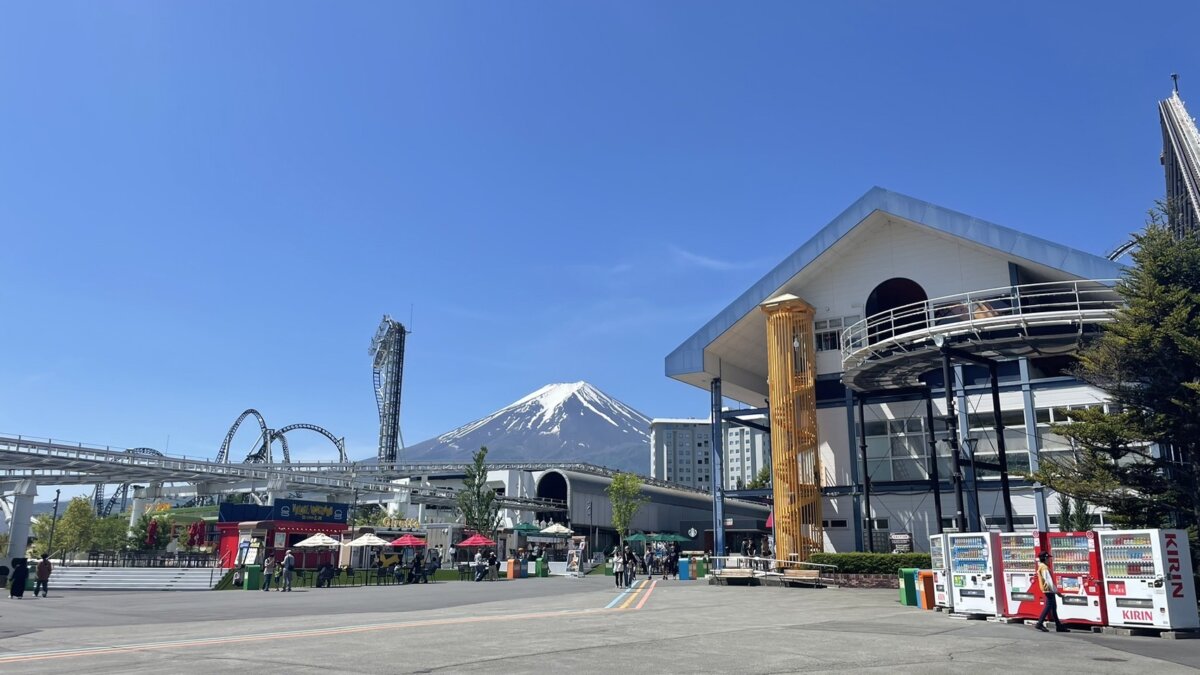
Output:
(608, 571)
(543, 567)
(252, 579)
(700, 565)
(908, 586)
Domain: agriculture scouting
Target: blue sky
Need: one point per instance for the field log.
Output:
(208, 206)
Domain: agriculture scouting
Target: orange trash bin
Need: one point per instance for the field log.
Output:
(513, 572)
(925, 589)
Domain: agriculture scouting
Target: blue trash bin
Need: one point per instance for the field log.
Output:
(685, 569)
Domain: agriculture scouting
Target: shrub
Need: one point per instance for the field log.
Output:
(872, 563)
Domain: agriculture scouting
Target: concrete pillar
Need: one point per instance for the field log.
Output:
(142, 499)
(22, 515)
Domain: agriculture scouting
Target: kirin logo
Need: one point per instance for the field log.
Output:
(1174, 566)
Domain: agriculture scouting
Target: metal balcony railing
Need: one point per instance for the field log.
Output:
(1014, 307)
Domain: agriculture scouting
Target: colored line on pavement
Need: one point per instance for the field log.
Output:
(647, 595)
(622, 594)
(642, 585)
(283, 635)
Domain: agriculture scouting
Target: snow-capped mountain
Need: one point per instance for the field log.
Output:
(558, 423)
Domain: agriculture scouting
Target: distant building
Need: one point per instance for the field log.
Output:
(680, 453)
(1181, 164)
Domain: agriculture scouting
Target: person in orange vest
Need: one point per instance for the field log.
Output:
(1046, 582)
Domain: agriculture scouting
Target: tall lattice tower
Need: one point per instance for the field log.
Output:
(795, 451)
(1181, 164)
(387, 354)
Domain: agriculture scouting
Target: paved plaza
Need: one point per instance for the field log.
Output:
(541, 626)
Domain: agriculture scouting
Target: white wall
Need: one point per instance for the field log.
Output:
(941, 265)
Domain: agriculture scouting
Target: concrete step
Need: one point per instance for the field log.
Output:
(135, 578)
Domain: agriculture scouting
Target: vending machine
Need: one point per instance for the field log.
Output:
(1077, 575)
(973, 572)
(942, 595)
(1018, 569)
(1148, 579)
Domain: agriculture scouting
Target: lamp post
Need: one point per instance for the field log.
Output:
(53, 522)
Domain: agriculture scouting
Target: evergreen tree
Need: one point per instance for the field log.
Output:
(1148, 362)
(477, 505)
(761, 480)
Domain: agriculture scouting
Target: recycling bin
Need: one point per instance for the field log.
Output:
(252, 579)
(908, 586)
(543, 567)
(685, 569)
(608, 570)
(513, 569)
(700, 567)
(925, 589)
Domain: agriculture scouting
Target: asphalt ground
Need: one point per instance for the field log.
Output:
(539, 626)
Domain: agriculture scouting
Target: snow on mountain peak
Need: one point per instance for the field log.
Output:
(566, 420)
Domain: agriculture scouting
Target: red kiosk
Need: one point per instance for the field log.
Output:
(278, 527)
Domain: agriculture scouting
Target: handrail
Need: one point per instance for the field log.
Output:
(978, 310)
(774, 562)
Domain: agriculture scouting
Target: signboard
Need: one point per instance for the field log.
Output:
(901, 542)
(281, 540)
(310, 512)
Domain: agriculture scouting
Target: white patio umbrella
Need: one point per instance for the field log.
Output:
(317, 541)
(557, 529)
(368, 539)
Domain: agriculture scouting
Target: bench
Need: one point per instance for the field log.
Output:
(802, 578)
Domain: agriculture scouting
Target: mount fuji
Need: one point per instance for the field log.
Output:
(558, 423)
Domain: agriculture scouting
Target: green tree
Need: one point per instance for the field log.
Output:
(761, 480)
(1073, 514)
(110, 533)
(74, 530)
(625, 494)
(1148, 362)
(39, 530)
(477, 505)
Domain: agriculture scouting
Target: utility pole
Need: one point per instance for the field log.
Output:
(53, 522)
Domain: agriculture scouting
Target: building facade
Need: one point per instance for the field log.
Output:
(680, 452)
(885, 260)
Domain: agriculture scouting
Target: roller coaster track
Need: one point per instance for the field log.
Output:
(104, 508)
(267, 437)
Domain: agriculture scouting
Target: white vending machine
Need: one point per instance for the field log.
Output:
(974, 576)
(942, 595)
(1148, 579)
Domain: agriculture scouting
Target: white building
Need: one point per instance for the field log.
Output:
(885, 255)
(680, 452)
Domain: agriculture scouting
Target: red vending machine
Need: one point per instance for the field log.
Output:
(1018, 568)
(1148, 579)
(1077, 574)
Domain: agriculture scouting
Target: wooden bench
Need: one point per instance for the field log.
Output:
(801, 577)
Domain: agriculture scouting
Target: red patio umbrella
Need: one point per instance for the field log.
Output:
(476, 540)
(408, 540)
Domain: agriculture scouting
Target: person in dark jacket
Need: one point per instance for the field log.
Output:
(20, 576)
(44, 568)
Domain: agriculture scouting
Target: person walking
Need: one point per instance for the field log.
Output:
(289, 564)
(480, 568)
(1046, 581)
(268, 572)
(618, 566)
(44, 568)
(631, 564)
(20, 577)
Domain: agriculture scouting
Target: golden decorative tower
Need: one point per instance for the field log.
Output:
(795, 451)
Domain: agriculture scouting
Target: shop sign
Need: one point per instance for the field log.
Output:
(310, 512)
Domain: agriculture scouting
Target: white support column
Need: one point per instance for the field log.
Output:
(142, 499)
(22, 515)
